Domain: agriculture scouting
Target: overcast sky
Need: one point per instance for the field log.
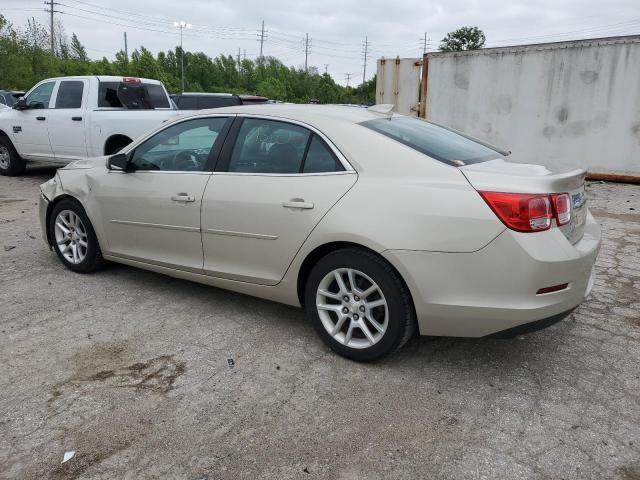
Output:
(337, 29)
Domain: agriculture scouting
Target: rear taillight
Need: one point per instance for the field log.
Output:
(562, 208)
(525, 212)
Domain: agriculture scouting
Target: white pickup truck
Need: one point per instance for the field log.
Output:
(71, 118)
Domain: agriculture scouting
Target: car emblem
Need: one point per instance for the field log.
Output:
(17, 128)
(577, 199)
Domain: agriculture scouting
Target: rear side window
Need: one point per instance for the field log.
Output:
(433, 140)
(216, 102)
(320, 158)
(69, 94)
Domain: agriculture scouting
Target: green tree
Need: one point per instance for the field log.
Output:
(77, 49)
(465, 38)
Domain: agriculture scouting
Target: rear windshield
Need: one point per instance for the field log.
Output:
(155, 96)
(433, 140)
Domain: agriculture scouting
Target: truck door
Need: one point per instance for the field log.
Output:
(30, 126)
(67, 120)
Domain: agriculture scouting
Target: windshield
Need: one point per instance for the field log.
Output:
(433, 140)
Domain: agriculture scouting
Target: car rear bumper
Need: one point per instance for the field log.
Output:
(494, 289)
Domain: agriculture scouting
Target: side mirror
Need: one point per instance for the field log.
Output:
(21, 104)
(119, 161)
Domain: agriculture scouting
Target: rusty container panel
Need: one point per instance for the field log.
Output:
(398, 83)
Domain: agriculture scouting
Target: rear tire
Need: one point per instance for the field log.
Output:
(10, 162)
(73, 237)
(359, 305)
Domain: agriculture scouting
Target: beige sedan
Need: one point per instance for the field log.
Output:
(377, 224)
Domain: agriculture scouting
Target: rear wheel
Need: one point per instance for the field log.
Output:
(359, 305)
(74, 239)
(10, 162)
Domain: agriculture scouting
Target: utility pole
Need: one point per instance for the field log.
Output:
(51, 10)
(182, 25)
(348, 75)
(326, 67)
(261, 42)
(365, 53)
(126, 49)
(306, 52)
(244, 57)
(424, 42)
(238, 58)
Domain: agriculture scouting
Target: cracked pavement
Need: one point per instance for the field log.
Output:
(130, 369)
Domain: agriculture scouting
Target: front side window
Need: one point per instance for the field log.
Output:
(69, 94)
(40, 97)
(183, 147)
(433, 140)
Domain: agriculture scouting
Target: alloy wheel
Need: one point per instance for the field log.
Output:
(352, 308)
(71, 236)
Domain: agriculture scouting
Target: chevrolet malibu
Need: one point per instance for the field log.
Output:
(377, 224)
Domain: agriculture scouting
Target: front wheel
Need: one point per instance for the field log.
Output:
(359, 305)
(74, 239)
(10, 162)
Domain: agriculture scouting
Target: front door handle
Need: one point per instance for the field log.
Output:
(41, 118)
(297, 203)
(76, 119)
(183, 197)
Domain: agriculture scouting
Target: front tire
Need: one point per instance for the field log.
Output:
(73, 237)
(10, 162)
(359, 305)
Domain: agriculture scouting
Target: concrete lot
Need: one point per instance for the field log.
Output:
(130, 370)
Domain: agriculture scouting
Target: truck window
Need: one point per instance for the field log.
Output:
(157, 95)
(188, 102)
(108, 95)
(206, 101)
(39, 98)
(69, 94)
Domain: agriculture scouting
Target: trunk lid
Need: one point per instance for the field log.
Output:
(501, 176)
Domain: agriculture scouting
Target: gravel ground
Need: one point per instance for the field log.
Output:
(131, 370)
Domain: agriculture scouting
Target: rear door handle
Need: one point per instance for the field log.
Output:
(41, 118)
(183, 197)
(76, 119)
(297, 203)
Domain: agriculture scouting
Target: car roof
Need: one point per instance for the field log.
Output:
(204, 94)
(103, 78)
(306, 113)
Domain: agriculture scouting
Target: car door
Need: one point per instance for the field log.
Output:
(152, 214)
(278, 180)
(66, 120)
(30, 127)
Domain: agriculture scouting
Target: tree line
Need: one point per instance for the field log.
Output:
(26, 59)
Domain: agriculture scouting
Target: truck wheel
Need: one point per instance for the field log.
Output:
(10, 162)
